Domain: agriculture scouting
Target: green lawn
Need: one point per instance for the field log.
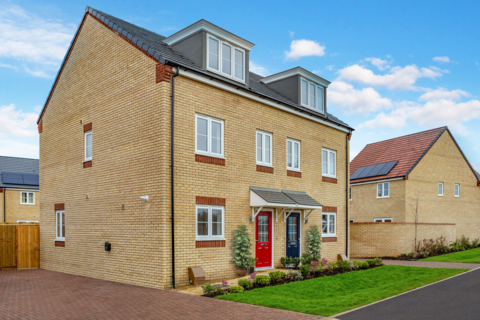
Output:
(331, 295)
(468, 256)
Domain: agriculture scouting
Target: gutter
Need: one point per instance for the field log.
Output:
(172, 173)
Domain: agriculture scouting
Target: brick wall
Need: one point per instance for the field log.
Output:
(16, 210)
(392, 239)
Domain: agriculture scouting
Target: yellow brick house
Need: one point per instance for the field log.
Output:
(163, 146)
(424, 177)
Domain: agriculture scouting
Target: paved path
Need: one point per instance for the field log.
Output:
(42, 294)
(430, 264)
(454, 298)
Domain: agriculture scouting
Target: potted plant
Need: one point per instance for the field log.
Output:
(314, 240)
(241, 250)
(251, 266)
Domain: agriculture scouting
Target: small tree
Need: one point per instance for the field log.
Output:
(314, 241)
(415, 215)
(241, 248)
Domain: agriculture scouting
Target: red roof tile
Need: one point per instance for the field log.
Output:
(407, 150)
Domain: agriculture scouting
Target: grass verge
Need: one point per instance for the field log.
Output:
(468, 256)
(327, 296)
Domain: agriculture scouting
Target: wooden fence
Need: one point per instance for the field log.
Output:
(19, 246)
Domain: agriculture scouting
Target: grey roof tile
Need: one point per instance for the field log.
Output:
(18, 165)
(285, 196)
(302, 198)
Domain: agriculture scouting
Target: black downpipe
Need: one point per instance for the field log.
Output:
(172, 190)
(347, 180)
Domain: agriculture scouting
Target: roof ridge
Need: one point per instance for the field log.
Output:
(19, 158)
(410, 134)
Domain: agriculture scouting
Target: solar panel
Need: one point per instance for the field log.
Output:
(366, 172)
(357, 173)
(386, 169)
(377, 169)
(12, 178)
(31, 179)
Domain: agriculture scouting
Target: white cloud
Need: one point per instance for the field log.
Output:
(379, 63)
(304, 48)
(442, 93)
(330, 67)
(258, 69)
(15, 148)
(433, 113)
(444, 59)
(292, 33)
(38, 43)
(17, 123)
(345, 97)
(398, 78)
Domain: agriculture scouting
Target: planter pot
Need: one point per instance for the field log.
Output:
(251, 270)
(242, 272)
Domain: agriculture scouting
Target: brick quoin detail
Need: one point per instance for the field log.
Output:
(329, 239)
(211, 201)
(59, 206)
(40, 127)
(59, 243)
(209, 160)
(329, 180)
(87, 127)
(1, 190)
(329, 209)
(294, 174)
(87, 164)
(210, 244)
(264, 169)
(163, 73)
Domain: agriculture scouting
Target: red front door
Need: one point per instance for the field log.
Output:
(263, 243)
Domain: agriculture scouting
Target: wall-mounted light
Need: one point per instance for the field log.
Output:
(144, 198)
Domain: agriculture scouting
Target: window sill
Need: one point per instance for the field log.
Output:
(210, 243)
(265, 169)
(32, 204)
(264, 165)
(60, 243)
(210, 160)
(87, 164)
(87, 160)
(294, 174)
(329, 180)
(383, 197)
(329, 238)
(209, 155)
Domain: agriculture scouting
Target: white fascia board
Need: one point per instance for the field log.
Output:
(374, 181)
(212, 29)
(207, 80)
(296, 71)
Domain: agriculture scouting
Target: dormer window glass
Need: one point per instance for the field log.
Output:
(312, 95)
(225, 59)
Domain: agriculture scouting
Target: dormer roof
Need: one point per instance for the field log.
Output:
(294, 72)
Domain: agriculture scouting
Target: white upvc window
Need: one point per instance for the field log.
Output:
(27, 198)
(293, 155)
(329, 224)
(457, 190)
(383, 190)
(88, 145)
(60, 225)
(208, 136)
(440, 189)
(329, 163)
(225, 59)
(210, 223)
(383, 220)
(312, 95)
(264, 148)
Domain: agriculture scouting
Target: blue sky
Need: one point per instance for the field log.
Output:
(396, 68)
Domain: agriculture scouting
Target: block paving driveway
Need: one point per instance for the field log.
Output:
(42, 294)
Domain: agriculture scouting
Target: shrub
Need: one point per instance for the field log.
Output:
(421, 256)
(236, 289)
(464, 242)
(314, 241)
(364, 265)
(358, 264)
(324, 262)
(262, 280)
(371, 263)
(221, 291)
(377, 262)
(296, 262)
(456, 246)
(245, 283)
(313, 266)
(403, 255)
(410, 255)
(283, 261)
(295, 275)
(208, 289)
(241, 247)
(475, 242)
(277, 275)
(332, 266)
(305, 270)
(305, 259)
(253, 276)
(343, 266)
(431, 246)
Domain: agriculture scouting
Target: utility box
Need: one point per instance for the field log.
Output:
(196, 275)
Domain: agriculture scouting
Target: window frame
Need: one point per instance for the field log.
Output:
(220, 58)
(329, 214)
(263, 163)
(209, 136)
(209, 237)
(89, 132)
(293, 141)
(316, 86)
(443, 189)
(328, 163)
(382, 220)
(61, 214)
(28, 193)
(457, 195)
(383, 190)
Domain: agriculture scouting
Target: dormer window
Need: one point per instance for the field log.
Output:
(312, 95)
(225, 59)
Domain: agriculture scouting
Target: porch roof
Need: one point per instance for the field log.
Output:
(267, 197)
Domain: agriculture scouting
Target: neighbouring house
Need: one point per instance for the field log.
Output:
(19, 190)
(424, 175)
(137, 124)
